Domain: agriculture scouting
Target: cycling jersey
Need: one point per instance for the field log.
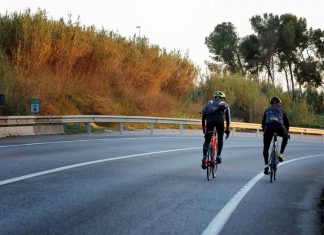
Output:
(214, 112)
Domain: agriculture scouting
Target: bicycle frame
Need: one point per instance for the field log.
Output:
(212, 150)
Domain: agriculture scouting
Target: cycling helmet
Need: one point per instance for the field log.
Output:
(275, 100)
(219, 94)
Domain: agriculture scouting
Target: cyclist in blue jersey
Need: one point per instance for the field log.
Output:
(274, 120)
(213, 116)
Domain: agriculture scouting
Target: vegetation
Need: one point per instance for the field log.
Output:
(280, 44)
(75, 69)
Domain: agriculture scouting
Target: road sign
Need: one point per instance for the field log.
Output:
(35, 106)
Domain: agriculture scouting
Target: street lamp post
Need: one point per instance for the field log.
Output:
(139, 31)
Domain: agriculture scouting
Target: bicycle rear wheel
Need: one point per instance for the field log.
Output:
(209, 165)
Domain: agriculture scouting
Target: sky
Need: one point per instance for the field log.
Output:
(180, 25)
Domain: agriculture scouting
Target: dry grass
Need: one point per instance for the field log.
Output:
(75, 69)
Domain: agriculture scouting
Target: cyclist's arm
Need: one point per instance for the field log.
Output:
(263, 121)
(286, 121)
(203, 121)
(227, 117)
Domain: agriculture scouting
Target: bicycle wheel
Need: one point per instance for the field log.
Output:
(273, 166)
(215, 163)
(214, 169)
(209, 166)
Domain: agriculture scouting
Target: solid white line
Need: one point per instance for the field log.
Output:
(12, 180)
(217, 224)
(118, 139)
(87, 140)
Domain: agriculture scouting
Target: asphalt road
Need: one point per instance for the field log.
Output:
(103, 184)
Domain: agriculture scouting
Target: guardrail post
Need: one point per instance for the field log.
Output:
(234, 132)
(258, 133)
(181, 129)
(65, 127)
(323, 138)
(77, 126)
(88, 128)
(151, 128)
(121, 128)
(302, 136)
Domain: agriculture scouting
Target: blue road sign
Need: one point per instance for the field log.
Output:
(2, 99)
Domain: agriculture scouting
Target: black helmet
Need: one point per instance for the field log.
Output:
(275, 100)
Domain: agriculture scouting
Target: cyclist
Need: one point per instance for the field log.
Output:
(213, 116)
(274, 120)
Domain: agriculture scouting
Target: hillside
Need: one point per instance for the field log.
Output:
(75, 69)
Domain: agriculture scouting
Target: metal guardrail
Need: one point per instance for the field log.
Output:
(88, 119)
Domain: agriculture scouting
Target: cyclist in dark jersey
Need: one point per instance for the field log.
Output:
(274, 120)
(213, 116)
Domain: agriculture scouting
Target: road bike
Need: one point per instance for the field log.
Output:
(274, 160)
(211, 161)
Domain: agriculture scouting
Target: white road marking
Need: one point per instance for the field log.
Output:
(214, 227)
(87, 140)
(16, 179)
(12, 180)
(127, 138)
(217, 224)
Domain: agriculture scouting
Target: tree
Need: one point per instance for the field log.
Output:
(309, 72)
(267, 33)
(292, 42)
(279, 44)
(249, 49)
(316, 38)
(223, 43)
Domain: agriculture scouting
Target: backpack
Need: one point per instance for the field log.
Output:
(274, 114)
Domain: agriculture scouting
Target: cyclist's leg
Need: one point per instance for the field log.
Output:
(267, 137)
(205, 147)
(207, 139)
(220, 137)
(284, 134)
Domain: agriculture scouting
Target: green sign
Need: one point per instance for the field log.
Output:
(35, 106)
